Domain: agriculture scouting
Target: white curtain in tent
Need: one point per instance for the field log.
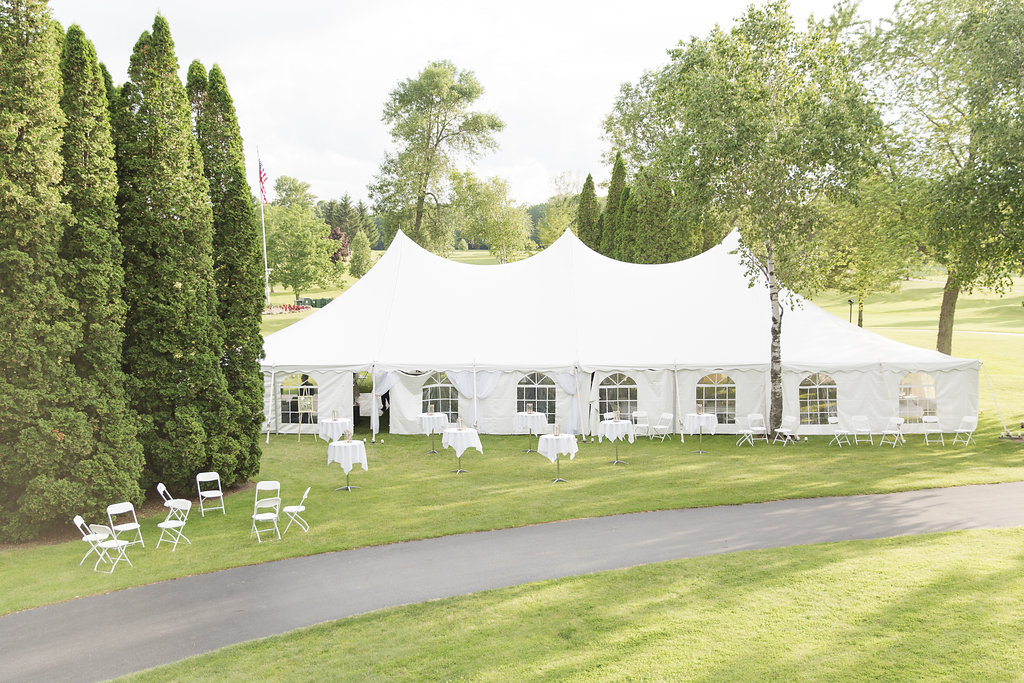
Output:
(474, 386)
(382, 384)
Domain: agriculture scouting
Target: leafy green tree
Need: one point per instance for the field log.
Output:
(587, 214)
(46, 440)
(293, 192)
(94, 279)
(609, 218)
(362, 258)
(486, 212)
(237, 263)
(431, 123)
(174, 337)
(949, 73)
(298, 249)
(757, 125)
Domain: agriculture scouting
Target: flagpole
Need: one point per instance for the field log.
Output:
(263, 223)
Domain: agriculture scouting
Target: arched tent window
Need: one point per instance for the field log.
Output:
(539, 390)
(299, 399)
(717, 394)
(818, 399)
(617, 392)
(440, 392)
(917, 397)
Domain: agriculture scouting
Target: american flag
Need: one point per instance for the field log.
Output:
(263, 182)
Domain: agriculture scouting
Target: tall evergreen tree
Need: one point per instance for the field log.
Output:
(611, 209)
(660, 235)
(94, 278)
(42, 431)
(626, 227)
(237, 261)
(587, 214)
(367, 224)
(173, 338)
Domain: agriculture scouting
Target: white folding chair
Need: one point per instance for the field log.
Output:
(787, 430)
(893, 432)
(170, 501)
(965, 432)
(266, 508)
(125, 511)
(743, 431)
(609, 416)
(209, 494)
(840, 436)
(662, 428)
(91, 538)
(113, 549)
(294, 513)
(758, 429)
(641, 426)
(861, 428)
(932, 430)
(172, 529)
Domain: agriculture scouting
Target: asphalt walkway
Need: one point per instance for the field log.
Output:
(104, 636)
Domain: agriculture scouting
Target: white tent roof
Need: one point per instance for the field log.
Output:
(570, 306)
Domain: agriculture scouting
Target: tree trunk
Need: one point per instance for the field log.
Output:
(860, 311)
(944, 342)
(419, 222)
(775, 401)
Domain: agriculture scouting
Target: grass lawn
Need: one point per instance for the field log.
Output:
(938, 607)
(420, 498)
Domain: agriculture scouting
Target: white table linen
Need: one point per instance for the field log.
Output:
(433, 423)
(461, 439)
(334, 428)
(693, 422)
(615, 429)
(529, 422)
(552, 446)
(347, 454)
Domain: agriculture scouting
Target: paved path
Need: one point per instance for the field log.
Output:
(108, 635)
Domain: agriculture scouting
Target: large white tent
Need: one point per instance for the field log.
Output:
(580, 318)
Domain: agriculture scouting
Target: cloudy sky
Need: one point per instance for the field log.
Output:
(309, 79)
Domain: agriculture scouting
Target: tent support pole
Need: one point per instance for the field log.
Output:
(374, 418)
(273, 403)
(677, 414)
(992, 390)
(579, 406)
(476, 418)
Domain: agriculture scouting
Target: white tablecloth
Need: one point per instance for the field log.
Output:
(461, 439)
(696, 421)
(615, 429)
(335, 428)
(433, 423)
(552, 446)
(347, 454)
(529, 422)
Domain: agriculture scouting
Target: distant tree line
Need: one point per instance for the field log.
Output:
(130, 269)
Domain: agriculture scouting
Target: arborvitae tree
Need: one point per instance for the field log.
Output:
(611, 210)
(94, 278)
(42, 431)
(237, 261)
(625, 228)
(367, 224)
(587, 214)
(361, 258)
(661, 236)
(173, 338)
(108, 83)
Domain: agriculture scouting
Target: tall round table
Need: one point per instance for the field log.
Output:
(530, 422)
(460, 439)
(551, 446)
(433, 423)
(698, 422)
(616, 430)
(347, 454)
